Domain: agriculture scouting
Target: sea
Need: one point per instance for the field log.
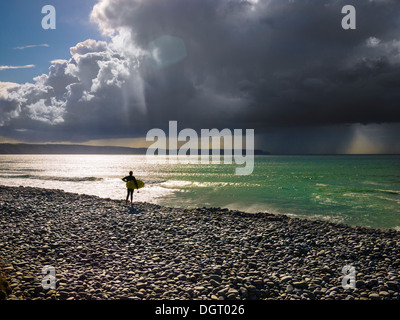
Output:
(357, 190)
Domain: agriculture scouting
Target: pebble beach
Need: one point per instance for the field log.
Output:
(103, 249)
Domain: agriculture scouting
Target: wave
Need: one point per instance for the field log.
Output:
(17, 176)
(185, 184)
(78, 179)
(388, 191)
(19, 170)
(365, 190)
(52, 178)
(376, 193)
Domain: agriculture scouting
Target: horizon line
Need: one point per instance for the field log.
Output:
(267, 153)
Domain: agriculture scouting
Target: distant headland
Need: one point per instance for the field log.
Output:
(27, 148)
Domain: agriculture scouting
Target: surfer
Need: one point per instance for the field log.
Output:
(131, 183)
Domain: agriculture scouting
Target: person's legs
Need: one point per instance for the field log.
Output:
(131, 192)
(127, 196)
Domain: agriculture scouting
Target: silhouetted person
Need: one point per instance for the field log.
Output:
(131, 183)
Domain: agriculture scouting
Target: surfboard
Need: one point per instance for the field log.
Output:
(131, 184)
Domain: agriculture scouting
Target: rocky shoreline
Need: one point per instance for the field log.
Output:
(103, 249)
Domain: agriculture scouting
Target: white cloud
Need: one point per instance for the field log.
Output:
(60, 61)
(5, 87)
(31, 46)
(16, 67)
(99, 85)
(51, 113)
(87, 46)
(8, 107)
(373, 42)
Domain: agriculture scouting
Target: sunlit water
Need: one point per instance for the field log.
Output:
(356, 190)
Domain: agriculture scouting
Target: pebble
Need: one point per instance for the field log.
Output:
(102, 249)
(360, 284)
(141, 285)
(216, 278)
(286, 279)
(300, 284)
(374, 296)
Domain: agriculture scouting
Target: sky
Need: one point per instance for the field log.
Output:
(20, 27)
(114, 69)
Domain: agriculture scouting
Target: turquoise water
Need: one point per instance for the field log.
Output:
(355, 190)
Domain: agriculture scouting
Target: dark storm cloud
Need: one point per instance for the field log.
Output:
(282, 62)
(246, 64)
